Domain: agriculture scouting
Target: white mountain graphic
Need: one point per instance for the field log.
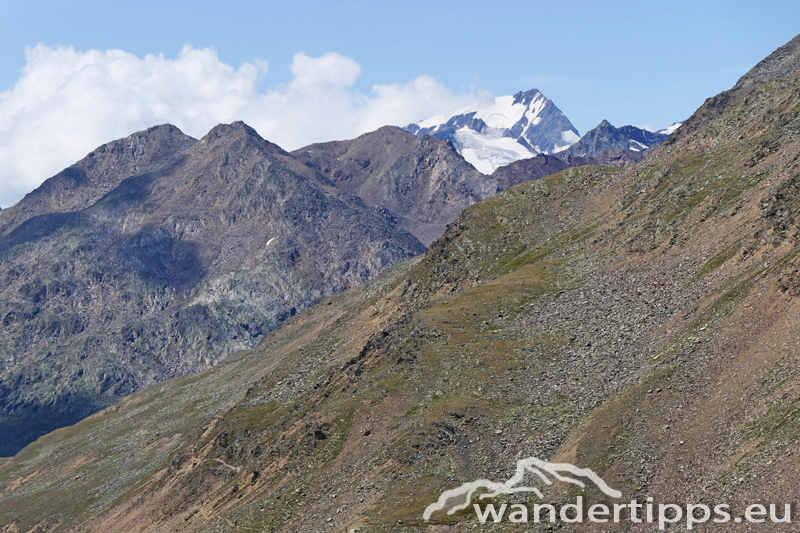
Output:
(543, 469)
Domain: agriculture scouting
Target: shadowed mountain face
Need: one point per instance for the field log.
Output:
(605, 137)
(639, 322)
(545, 165)
(421, 182)
(168, 254)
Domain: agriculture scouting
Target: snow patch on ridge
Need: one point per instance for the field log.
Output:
(671, 129)
(433, 121)
(570, 137)
(487, 154)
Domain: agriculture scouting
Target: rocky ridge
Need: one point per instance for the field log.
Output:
(545, 165)
(422, 183)
(783, 62)
(88, 180)
(605, 137)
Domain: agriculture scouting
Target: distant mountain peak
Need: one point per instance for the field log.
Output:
(239, 130)
(606, 137)
(502, 129)
(420, 182)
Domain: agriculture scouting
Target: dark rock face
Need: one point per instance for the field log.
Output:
(168, 255)
(543, 165)
(546, 135)
(606, 137)
(422, 183)
(529, 169)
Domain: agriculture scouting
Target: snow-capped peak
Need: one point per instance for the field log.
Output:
(503, 129)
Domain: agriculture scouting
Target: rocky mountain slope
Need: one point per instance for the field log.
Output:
(421, 183)
(640, 322)
(779, 64)
(499, 130)
(157, 256)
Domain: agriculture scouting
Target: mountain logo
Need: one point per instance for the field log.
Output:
(543, 469)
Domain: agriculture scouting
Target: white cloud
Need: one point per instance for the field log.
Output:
(68, 102)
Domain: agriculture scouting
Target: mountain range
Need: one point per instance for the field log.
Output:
(638, 321)
(606, 137)
(604, 145)
(158, 255)
(498, 131)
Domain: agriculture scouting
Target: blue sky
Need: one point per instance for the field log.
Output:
(641, 63)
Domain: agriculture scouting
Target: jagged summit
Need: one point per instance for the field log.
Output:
(236, 132)
(502, 129)
(606, 137)
(237, 127)
(527, 97)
